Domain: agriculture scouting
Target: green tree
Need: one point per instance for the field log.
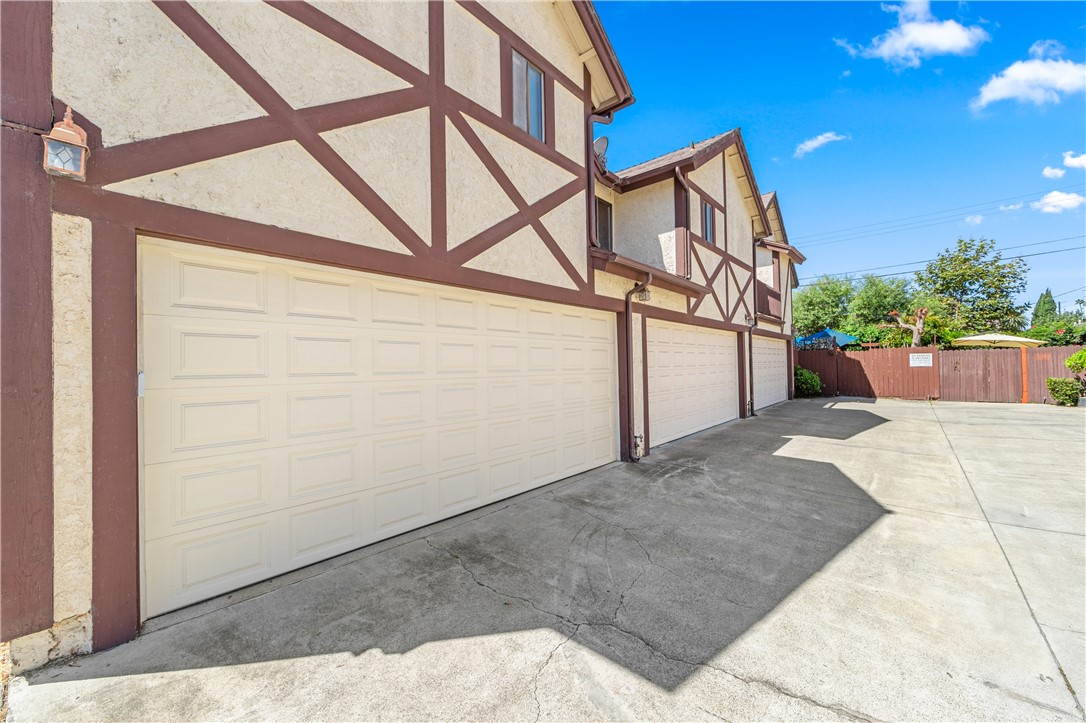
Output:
(875, 297)
(822, 304)
(1044, 311)
(977, 286)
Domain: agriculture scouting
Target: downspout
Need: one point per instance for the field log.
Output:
(750, 366)
(686, 225)
(634, 450)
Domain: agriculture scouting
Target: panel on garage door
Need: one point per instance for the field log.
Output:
(294, 412)
(692, 379)
(770, 371)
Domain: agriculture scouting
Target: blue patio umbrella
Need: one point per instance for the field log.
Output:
(839, 337)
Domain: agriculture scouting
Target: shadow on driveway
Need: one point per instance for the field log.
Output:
(658, 566)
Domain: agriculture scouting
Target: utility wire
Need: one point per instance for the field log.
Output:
(926, 261)
(1008, 258)
(916, 217)
(1069, 292)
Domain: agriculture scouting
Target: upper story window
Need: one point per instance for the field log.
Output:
(708, 229)
(604, 224)
(527, 96)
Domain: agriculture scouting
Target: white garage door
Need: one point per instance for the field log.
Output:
(294, 412)
(770, 371)
(692, 379)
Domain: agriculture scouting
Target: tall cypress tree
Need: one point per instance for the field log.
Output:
(1044, 312)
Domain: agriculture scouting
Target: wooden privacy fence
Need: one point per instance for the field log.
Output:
(960, 375)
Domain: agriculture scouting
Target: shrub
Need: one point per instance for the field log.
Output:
(1064, 391)
(807, 383)
(1077, 362)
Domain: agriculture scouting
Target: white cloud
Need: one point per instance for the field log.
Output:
(812, 144)
(1072, 161)
(974, 220)
(918, 35)
(1058, 202)
(1011, 206)
(846, 73)
(1042, 79)
(1050, 172)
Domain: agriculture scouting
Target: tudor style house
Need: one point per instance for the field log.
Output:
(337, 271)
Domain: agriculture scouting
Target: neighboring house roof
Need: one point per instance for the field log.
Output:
(610, 88)
(693, 156)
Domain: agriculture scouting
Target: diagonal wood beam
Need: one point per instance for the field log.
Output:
(337, 32)
(132, 160)
(523, 207)
(192, 24)
(482, 241)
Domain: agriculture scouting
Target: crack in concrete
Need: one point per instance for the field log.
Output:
(837, 709)
(539, 671)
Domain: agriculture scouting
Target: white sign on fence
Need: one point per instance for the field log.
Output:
(920, 360)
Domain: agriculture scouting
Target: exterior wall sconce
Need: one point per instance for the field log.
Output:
(644, 295)
(66, 151)
(750, 320)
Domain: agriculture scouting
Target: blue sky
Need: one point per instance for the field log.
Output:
(924, 154)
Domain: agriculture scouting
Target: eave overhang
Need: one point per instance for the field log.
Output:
(612, 263)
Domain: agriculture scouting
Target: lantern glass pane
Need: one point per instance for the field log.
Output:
(64, 157)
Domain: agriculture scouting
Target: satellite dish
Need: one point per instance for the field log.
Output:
(600, 148)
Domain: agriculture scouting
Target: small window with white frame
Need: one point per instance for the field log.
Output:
(528, 97)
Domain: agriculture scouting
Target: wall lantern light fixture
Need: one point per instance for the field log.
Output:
(644, 295)
(750, 320)
(66, 149)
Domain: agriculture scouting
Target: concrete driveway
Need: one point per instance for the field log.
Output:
(828, 559)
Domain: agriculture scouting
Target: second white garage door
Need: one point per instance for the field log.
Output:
(294, 412)
(770, 371)
(692, 379)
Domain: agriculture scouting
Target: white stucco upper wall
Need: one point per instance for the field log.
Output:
(542, 28)
(645, 225)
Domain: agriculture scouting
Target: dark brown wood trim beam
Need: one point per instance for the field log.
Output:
(679, 317)
(115, 508)
(192, 24)
(468, 107)
(503, 229)
(706, 197)
(337, 32)
(741, 341)
(769, 334)
(26, 322)
(132, 160)
(154, 218)
(612, 263)
(439, 219)
(506, 184)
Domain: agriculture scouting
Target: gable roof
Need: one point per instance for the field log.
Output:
(779, 238)
(697, 154)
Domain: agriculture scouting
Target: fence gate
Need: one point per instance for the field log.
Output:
(981, 375)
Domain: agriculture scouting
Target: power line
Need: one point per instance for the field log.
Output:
(925, 261)
(915, 217)
(912, 227)
(1021, 256)
(1069, 292)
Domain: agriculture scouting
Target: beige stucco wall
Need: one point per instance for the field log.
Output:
(615, 287)
(540, 25)
(645, 225)
(401, 28)
(764, 263)
(569, 121)
(271, 42)
(695, 212)
(710, 178)
(128, 69)
(72, 452)
(472, 58)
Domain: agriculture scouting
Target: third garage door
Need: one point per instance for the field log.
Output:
(770, 371)
(692, 379)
